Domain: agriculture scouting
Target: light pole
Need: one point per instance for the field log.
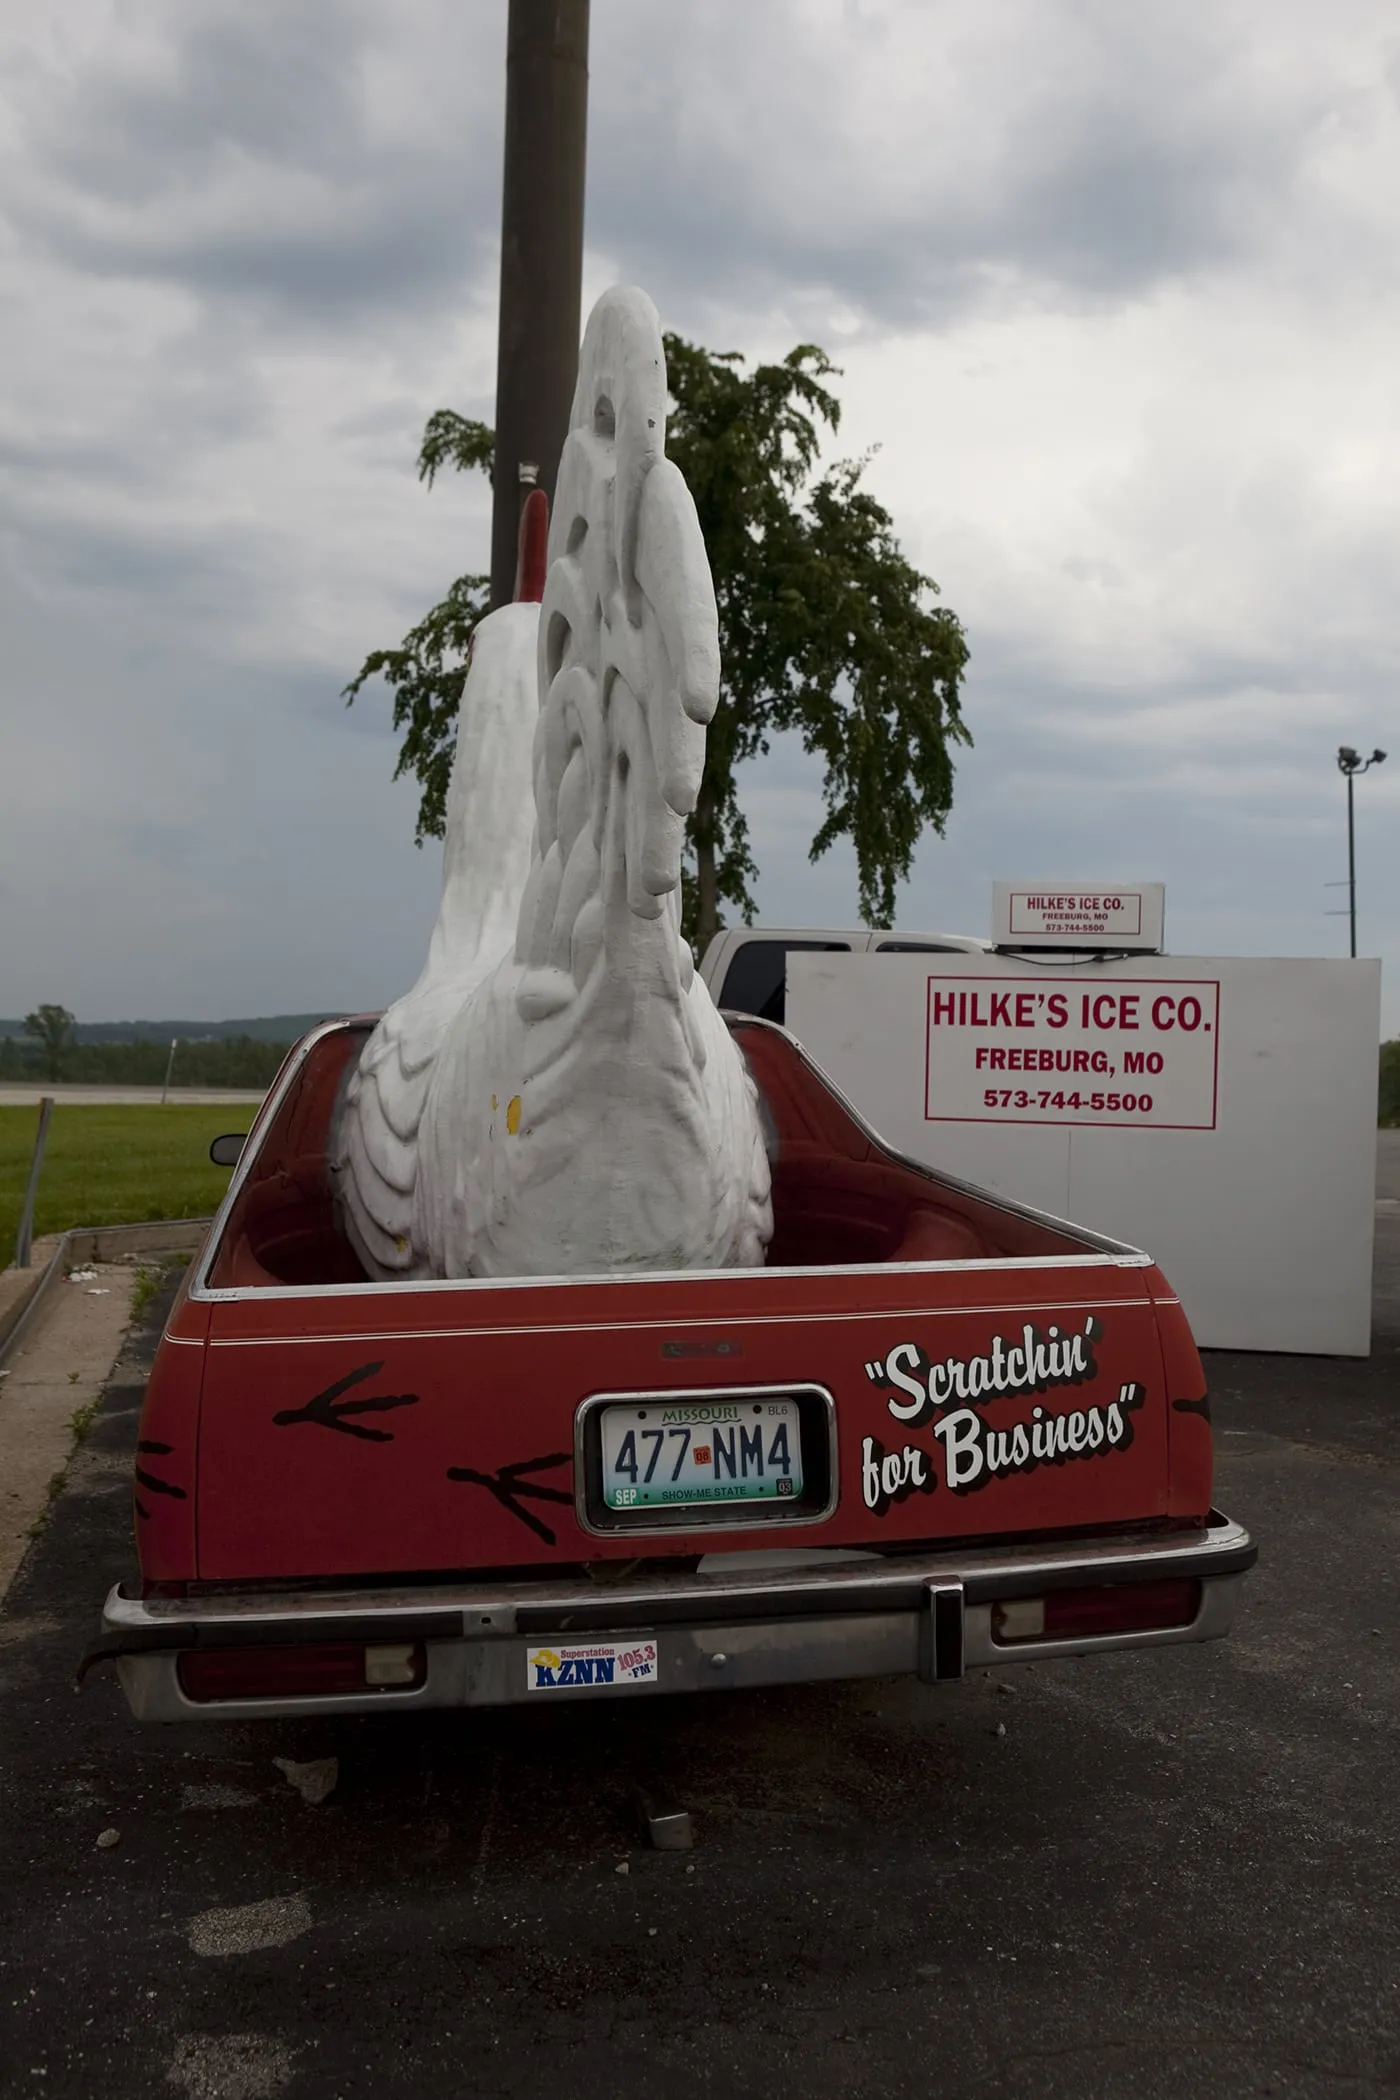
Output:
(1351, 763)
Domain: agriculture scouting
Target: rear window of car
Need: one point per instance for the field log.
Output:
(756, 980)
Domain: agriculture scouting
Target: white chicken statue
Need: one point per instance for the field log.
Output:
(557, 1094)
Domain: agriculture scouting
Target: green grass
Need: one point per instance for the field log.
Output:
(114, 1165)
(148, 1282)
(79, 1424)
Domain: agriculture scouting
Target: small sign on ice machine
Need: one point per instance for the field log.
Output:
(1124, 917)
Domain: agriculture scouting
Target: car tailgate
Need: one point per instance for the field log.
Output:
(442, 1427)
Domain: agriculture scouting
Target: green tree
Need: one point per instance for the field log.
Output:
(52, 1027)
(1390, 1086)
(427, 671)
(825, 628)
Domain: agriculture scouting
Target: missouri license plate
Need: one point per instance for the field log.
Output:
(724, 1451)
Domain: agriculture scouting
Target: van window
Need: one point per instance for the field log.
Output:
(756, 980)
(919, 948)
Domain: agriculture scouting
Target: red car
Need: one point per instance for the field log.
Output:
(936, 1430)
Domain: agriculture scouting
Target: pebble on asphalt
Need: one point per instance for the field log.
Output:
(107, 1838)
(314, 1781)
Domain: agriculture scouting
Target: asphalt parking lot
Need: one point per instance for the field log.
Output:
(1137, 1875)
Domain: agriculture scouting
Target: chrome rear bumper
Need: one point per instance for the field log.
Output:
(739, 1621)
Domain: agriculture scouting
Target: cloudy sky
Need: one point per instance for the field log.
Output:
(1115, 291)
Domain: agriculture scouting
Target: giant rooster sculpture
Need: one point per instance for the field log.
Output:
(557, 1094)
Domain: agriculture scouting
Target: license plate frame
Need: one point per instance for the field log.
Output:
(811, 1412)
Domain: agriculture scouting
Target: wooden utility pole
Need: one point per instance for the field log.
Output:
(541, 259)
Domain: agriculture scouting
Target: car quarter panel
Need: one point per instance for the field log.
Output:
(164, 1504)
(1191, 1439)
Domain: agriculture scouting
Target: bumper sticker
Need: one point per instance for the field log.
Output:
(592, 1664)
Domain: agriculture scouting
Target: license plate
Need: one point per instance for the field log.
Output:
(703, 1452)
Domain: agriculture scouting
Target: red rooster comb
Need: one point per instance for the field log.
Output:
(532, 549)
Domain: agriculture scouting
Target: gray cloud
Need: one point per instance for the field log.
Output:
(248, 162)
(908, 164)
(923, 164)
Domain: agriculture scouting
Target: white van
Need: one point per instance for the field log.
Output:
(746, 966)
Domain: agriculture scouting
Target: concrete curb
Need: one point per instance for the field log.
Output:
(84, 1243)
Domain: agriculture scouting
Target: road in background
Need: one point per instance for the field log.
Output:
(15, 1095)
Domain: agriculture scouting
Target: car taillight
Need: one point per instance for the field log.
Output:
(1128, 1607)
(302, 1672)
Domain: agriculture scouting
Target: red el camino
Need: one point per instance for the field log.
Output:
(936, 1430)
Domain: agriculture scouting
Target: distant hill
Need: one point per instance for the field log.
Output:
(267, 1028)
